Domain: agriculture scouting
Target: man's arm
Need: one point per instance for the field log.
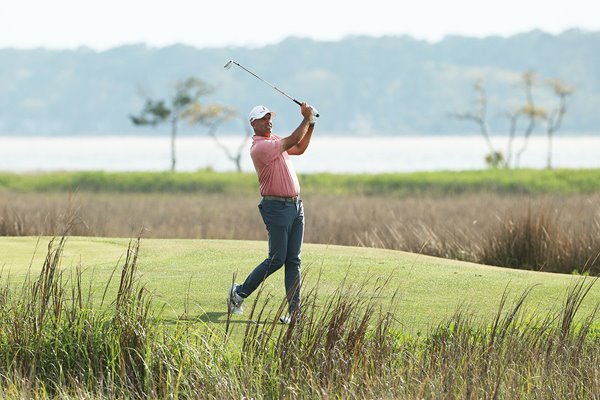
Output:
(296, 137)
(302, 144)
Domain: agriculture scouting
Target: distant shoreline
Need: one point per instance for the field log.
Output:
(334, 154)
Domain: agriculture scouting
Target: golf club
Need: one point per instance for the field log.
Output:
(231, 62)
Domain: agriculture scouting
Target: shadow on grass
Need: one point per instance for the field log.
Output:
(213, 317)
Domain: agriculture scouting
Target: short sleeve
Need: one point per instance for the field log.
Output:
(266, 151)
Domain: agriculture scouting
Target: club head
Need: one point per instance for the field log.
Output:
(228, 65)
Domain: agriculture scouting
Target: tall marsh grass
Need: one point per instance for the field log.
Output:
(346, 344)
(53, 341)
(559, 233)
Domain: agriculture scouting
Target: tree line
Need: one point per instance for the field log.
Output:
(382, 86)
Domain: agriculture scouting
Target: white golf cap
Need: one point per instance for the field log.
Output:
(260, 111)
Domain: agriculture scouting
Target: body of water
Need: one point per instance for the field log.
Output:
(325, 154)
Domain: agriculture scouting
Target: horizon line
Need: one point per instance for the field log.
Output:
(278, 41)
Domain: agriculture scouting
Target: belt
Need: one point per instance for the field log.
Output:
(294, 199)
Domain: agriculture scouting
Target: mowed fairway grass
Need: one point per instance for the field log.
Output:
(190, 278)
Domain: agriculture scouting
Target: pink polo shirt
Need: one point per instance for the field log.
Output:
(275, 171)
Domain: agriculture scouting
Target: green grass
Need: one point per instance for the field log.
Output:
(446, 182)
(440, 183)
(123, 182)
(58, 343)
(191, 277)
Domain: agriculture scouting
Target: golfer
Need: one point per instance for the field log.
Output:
(281, 208)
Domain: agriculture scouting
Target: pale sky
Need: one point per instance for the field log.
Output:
(108, 23)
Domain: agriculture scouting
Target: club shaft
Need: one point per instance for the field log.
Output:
(270, 84)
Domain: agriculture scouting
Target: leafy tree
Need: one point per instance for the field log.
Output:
(495, 160)
(158, 111)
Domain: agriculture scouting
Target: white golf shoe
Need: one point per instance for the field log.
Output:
(234, 300)
(287, 319)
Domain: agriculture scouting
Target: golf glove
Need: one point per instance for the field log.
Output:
(313, 115)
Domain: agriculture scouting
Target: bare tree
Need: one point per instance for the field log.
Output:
(213, 116)
(529, 111)
(513, 117)
(237, 156)
(555, 117)
(187, 94)
(479, 116)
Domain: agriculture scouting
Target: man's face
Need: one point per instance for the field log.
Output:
(263, 126)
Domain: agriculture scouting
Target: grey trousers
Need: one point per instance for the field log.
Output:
(285, 227)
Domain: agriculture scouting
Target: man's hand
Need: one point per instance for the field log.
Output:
(309, 112)
(313, 116)
(297, 136)
(306, 110)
